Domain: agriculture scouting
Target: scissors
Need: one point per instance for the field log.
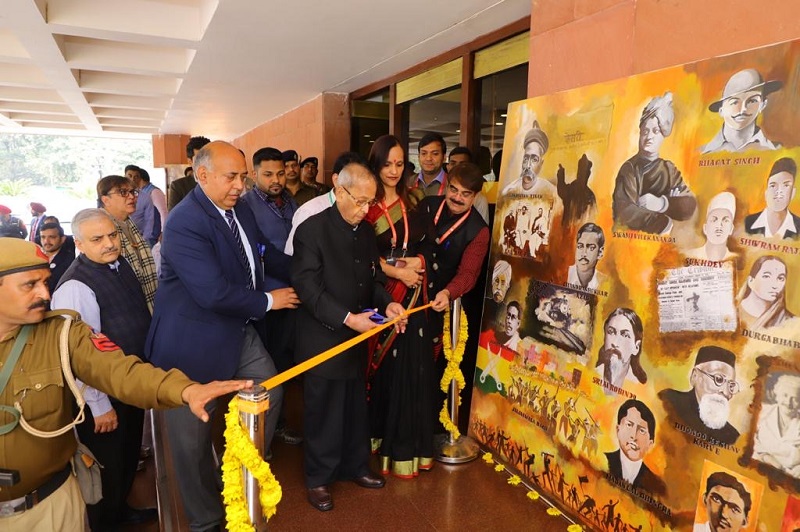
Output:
(375, 317)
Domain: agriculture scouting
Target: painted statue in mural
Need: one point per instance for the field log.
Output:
(743, 99)
(706, 407)
(530, 181)
(650, 193)
(636, 431)
(777, 440)
(727, 504)
(776, 220)
(578, 199)
(762, 299)
(619, 358)
(717, 228)
(591, 243)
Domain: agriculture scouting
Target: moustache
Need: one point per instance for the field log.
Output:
(42, 303)
(457, 202)
(740, 115)
(613, 351)
(111, 250)
(583, 260)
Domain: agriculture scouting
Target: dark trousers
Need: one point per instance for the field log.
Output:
(118, 453)
(190, 440)
(336, 429)
(279, 329)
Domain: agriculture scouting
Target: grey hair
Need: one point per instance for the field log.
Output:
(84, 216)
(203, 158)
(353, 171)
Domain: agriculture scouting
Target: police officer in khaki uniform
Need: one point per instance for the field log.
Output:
(38, 491)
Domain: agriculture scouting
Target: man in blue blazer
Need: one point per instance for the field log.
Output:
(210, 293)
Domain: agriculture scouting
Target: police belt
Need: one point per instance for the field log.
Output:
(21, 504)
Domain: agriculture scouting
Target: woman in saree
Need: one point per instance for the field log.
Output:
(400, 372)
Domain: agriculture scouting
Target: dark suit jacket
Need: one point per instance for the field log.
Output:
(683, 407)
(750, 220)
(179, 189)
(646, 479)
(335, 270)
(204, 301)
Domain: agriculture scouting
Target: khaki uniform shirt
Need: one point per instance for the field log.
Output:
(38, 383)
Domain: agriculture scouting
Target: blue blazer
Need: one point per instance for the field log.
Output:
(204, 301)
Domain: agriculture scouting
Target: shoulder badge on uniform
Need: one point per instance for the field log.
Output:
(103, 343)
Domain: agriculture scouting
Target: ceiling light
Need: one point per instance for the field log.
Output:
(504, 115)
(458, 131)
(366, 136)
(498, 123)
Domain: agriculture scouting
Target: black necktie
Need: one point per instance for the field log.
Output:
(236, 236)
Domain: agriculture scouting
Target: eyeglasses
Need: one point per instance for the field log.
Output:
(466, 194)
(722, 380)
(360, 203)
(124, 192)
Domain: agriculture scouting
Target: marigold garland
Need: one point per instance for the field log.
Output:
(453, 369)
(240, 451)
(532, 494)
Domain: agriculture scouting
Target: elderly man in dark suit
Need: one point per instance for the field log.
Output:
(211, 292)
(636, 431)
(336, 272)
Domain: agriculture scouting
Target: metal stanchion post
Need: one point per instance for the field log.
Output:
(253, 402)
(462, 449)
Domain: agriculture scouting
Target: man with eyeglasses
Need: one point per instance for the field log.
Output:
(727, 504)
(463, 240)
(777, 441)
(706, 407)
(336, 272)
(117, 196)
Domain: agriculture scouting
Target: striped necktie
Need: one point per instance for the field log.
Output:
(236, 236)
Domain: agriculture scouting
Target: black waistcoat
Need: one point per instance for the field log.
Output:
(124, 315)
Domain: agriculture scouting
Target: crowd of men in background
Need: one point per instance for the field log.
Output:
(208, 294)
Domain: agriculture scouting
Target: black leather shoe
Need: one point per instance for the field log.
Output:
(138, 516)
(320, 498)
(370, 480)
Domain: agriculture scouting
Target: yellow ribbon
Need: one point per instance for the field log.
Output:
(306, 365)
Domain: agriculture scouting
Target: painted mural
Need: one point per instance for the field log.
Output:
(639, 361)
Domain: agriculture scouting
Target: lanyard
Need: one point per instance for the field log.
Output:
(441, 184)
(394, 230)
(455, 226)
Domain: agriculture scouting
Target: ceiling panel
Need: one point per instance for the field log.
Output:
(207, 67)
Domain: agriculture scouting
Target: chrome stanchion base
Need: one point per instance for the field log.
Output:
(461, 451)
